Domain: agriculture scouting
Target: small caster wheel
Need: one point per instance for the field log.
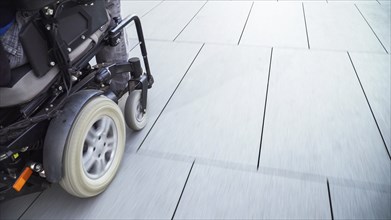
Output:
(134, 116)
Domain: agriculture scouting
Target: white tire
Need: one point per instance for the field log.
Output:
(94, 148)
(134, 116)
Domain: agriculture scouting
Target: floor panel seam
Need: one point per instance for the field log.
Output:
(245, 24)
(373, 31)
(330, 203)
(305, 24)
(168, 101)
(369, 105)
(152, 8)
(183, 190)
(30, 205)
(264, 108)
(199, 10)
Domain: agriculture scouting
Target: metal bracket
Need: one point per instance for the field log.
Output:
(140, 84)
(115, 31)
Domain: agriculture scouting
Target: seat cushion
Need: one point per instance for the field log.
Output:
(25, 86)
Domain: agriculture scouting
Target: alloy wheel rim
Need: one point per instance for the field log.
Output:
(100, 146)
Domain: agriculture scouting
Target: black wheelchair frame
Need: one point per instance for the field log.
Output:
(22, 138)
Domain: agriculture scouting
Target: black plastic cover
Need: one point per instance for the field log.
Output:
(36, 48)
(73, 22)
(77, 19)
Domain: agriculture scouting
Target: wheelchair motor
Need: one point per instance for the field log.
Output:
(59, 118)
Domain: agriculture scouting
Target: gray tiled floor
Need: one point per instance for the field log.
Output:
(267, 21)
(375, 75)
(145, 188)
(335, 27)
(356, 203)
(162, 23)
(218, 22)
(167, 76)
(137, 7)
(225, 87)
(321, 147)
(217, 193)
(379, 19)
(13, 209)
(317, 112)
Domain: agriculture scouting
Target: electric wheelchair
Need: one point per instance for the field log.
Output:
(59, 118)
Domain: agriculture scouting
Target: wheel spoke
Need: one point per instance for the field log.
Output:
(104, 162)
(88, 162)
(109, 125)
(100, 147)
(100, 166)
(108, 150)
(88, 153)
(102, 126)
(110, 142)
(91, 137)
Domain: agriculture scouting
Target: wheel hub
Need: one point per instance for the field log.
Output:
(99, 147)
(140, 113)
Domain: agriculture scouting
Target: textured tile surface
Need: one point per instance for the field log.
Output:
(168, 20)
(375, 76)
(217, 111)
(216, 193)
(145, 188)
(355, 203)
(14, 208)
(318, 124)
(277, 24)
(169, 62)
(218, 22)
(318, 121)
(139, 8)
(336, 27)
(353, 2)
(379, 19)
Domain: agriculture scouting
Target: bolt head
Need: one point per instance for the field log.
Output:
(38, 167)
(49, 11)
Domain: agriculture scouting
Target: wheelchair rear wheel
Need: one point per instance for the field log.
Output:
(94, 148)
